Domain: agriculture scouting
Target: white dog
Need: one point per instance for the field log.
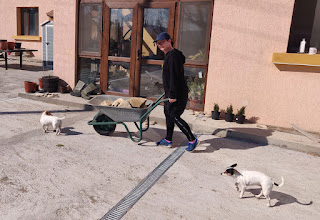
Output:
(247, 178)
(48, 119)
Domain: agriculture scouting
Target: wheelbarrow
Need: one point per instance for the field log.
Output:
(106, 120)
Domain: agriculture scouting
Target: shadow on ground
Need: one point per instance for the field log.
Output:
(68, 131)
(39, 112)
(208, 145)
(214, 144)
(151, 136)
(27, 67)
(282, 198)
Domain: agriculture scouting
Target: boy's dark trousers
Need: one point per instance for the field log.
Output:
(173, 111)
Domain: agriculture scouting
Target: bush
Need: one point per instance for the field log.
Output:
(229, 110)
(216, 107)
(241, 111)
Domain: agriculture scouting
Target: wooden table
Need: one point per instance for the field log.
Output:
(15, 50)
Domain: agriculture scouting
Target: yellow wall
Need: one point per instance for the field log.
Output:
(245, 34)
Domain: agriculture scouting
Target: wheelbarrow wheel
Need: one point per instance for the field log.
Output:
(107, 129)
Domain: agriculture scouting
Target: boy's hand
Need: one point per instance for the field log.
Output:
(172, 100)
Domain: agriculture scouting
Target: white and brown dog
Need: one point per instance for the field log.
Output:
(48, 119)
(247, 178)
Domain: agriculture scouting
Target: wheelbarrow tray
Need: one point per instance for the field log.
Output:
(119, 114)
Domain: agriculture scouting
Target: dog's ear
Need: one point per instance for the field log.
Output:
(233, 165)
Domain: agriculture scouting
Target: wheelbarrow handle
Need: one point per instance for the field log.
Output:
(154, 105)
(160, 97)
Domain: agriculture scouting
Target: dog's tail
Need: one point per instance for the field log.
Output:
(62, 118)
(281, 184)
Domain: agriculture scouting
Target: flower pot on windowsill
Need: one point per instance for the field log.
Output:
(30, 86)
(215, 115)
(229, 117)
(240, 119)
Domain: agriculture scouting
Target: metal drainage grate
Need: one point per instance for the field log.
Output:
(122, 207)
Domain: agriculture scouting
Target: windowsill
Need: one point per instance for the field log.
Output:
(26, 37)
(296, 59)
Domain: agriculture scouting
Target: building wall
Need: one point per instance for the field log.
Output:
(65, 41)
(64, 32)
(245, 34)
(8, 24)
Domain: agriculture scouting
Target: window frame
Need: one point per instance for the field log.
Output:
(190, 63)
(19, 24)
(179, 17)
(295, 26)
(81, 52)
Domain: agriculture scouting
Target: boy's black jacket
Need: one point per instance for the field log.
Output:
(174, 83)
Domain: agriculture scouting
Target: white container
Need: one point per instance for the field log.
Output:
(302, 46)
(312, 50)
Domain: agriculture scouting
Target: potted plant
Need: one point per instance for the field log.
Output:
(196, 88)
(215, 113)
(229, 114)
(240, 115)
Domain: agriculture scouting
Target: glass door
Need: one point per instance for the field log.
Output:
(153, 18)
(118, 52)
(131, 62)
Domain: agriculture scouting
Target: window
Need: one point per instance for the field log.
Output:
(28, 21)
(193, 41)
(120, 32)
(194, 30)
(305, 24)
(90, 29)
(89, 71)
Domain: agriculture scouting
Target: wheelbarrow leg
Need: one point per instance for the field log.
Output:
(129, 133)
(143, 129)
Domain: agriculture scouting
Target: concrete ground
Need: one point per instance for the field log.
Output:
(82, 175)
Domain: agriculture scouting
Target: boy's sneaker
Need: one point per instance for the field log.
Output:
(193, 146)
(164, 142)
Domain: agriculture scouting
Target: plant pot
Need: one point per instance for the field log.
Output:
(50, 83)
(40, 83)
(3, 44)
(10, 45)
(215, 115)
(30, 86)
(240, 119)
(17, 45)
(229, 117)
(194, 103)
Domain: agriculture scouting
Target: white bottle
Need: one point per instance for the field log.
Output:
(302, 45)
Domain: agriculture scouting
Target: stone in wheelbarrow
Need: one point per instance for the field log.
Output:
(137, 102)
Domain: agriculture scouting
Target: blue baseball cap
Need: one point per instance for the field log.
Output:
(162, 36)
